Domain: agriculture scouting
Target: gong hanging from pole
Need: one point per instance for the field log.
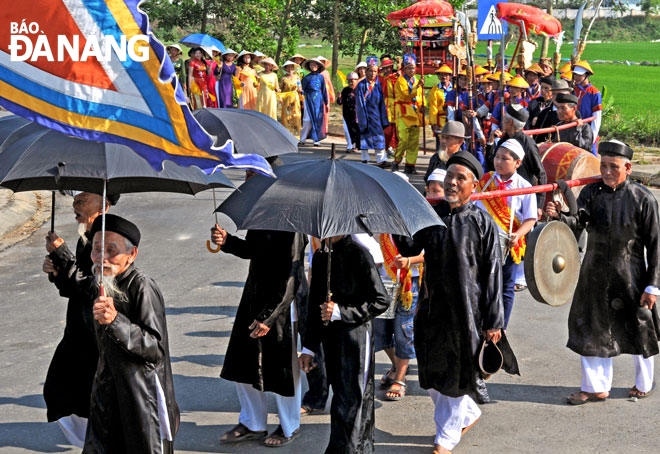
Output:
(552, 263)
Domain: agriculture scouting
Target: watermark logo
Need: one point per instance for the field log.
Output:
(29, 43)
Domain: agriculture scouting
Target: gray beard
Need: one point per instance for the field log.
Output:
(109, 284)
(82, 230)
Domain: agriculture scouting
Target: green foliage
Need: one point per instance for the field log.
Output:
(627, 28)
(637, 129)
(172, 18)
(651, 6)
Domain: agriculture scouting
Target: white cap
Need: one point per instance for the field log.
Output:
(437, 175)
(514, 147)
(362, 64)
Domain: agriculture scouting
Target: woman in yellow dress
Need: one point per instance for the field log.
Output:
(248, 77)
(268, 88)
(290, 96)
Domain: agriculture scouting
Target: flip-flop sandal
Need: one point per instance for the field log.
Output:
(401, 391)
(634, 392)
(278, 434)
(241, 433)
(574, 399)
(386, 381)
(306, 410)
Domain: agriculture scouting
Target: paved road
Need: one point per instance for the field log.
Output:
(202, 291)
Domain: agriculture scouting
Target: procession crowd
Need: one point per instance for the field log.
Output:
(384, 109)
(443, 297)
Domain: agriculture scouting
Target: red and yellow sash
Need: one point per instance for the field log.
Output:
(500, 211)
(390, 252)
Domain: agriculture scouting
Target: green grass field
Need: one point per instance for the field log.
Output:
(633, 88)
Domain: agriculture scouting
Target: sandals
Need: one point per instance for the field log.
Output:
(278, 434)
(398, 393)
(306, 410)
(519, 287)
(386, 381)
(241, 433)
(575, 398)
(634, 392)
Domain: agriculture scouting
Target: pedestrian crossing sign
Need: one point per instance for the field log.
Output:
(489, 26)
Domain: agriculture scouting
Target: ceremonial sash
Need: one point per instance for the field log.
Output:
(500, 211)
(268, 85)
(288, 96)
(390, 252)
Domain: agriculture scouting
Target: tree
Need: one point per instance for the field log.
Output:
(651, 6)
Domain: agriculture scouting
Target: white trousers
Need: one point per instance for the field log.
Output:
(452, 415)
(349, 143)
(597, 373)
(381, 155)
(254, 405)
(74, 428)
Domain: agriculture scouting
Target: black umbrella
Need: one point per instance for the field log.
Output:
(329, 198)
(251, 131)
(326, 198)
(33, 157)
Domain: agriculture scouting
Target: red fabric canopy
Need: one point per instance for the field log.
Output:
(425, 11)
(536, 20)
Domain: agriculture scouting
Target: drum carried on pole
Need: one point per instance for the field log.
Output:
(565, 161)
(552, 263)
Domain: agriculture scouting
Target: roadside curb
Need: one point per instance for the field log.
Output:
(21, 214)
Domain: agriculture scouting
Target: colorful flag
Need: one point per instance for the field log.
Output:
(93, 69)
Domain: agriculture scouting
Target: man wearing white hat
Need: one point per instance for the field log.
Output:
(515, 216)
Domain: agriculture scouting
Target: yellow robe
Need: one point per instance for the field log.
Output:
(290, 116)
(248, 78)
(407, 104)
(267, 94)
(437, 113)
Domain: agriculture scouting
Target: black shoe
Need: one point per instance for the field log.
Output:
(395, 167)
(365, 162)
(410, 170)
(383, 165)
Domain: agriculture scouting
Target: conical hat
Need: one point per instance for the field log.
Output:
(584, 64)
(480, 70)
(535, 68)
(269, 61)
(444, 69)
(306, 63)
(518, 82)
(289, 62)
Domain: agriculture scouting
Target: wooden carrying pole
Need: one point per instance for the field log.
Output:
(522, 191)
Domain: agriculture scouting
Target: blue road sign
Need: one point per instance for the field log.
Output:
(488, 25)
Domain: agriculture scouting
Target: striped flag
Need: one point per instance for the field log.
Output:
(93, 69)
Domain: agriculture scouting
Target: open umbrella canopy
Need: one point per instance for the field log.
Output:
(423, 12)
(33, 157)
(325, 198)
(251, 131)
(202, 39)
(535, 19)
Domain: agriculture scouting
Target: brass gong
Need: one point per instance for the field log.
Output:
(552, 263)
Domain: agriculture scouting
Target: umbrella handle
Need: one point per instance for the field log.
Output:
(213, 249)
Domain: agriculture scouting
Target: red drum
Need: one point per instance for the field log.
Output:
(564, 161)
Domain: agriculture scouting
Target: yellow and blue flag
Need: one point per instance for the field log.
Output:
(93, 69)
